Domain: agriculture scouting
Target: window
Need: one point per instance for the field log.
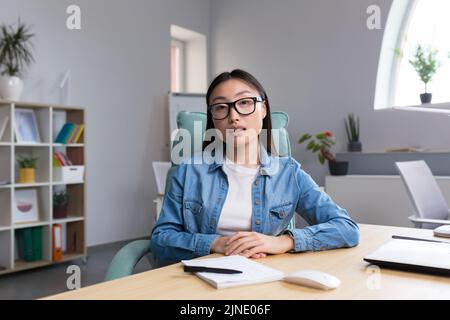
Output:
(411, 23)
(429, 26)
(177, 65)
(188, 60)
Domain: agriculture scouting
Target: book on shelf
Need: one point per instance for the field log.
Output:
(57, 162)
(60, 159)
(66, 159)
(37, 243)
(3, 125)
(79, 133)
(75, 137)
(63, 133)
(70, 133)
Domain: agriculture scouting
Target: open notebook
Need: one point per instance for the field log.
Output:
(252, 272)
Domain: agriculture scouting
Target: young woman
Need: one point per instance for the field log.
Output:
(243, 204)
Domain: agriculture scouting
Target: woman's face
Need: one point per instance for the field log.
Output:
(243, 129)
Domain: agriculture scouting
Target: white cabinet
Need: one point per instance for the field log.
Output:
(376, 199)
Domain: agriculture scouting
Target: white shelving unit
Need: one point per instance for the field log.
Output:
(50, 119)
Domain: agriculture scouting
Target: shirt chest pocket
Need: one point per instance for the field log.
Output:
(192, 214)
(280, 216)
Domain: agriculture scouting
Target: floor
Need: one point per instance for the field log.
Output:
(42, 282)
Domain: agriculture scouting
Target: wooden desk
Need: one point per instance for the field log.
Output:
(347, 264)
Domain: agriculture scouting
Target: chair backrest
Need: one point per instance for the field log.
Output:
(423, 190)
(186, 120)
(280, 120)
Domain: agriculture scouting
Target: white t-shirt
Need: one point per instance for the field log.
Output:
(236, 213)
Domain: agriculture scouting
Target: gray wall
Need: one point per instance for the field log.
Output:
(318, 61)
(121, 72)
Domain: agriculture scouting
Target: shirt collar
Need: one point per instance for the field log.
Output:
(267, 163)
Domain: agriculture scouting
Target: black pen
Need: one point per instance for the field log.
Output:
(208, 269)
(417, 239)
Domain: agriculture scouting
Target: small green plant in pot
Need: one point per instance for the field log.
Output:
(352, 130)
(60, 204)
(426, 65)
(15, 56)
(322, 143)
(27, 169)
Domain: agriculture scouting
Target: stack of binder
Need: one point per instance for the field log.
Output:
(30, 243)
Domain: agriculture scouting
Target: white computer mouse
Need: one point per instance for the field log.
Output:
(314, 279)
(442, 231)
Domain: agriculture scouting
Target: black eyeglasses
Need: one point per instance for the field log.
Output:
(244, 106)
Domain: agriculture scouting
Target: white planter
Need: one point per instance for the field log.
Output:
(10, 88)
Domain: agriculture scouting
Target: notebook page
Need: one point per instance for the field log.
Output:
(252, 272)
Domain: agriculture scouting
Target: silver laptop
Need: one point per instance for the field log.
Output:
(413, 255)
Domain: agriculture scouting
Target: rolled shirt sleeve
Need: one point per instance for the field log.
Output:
(169, 240)
(330, 225)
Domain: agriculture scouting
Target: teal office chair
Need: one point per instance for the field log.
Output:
(126, 259)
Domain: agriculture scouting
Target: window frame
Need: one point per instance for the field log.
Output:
(400, 16)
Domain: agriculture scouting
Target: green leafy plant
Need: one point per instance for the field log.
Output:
(352, 127)
(15, 49)
(322, 143)
(27, 162)
(425, 63)
(60, 199)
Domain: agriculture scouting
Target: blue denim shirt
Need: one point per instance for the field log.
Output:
(191, 209)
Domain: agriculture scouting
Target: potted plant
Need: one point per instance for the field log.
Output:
(15, 57)
(426, 64)
(27, 169)
(60, 204)
(322, 143)
(352, 130)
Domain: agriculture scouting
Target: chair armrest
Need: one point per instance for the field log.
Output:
(125, 260)
(432, 221)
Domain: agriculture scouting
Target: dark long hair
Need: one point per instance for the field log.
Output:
(251, 80)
